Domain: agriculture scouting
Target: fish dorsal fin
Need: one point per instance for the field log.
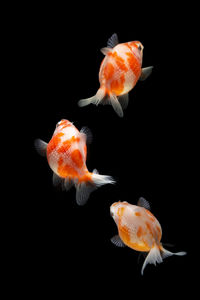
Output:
(144, 203)
(113, 41)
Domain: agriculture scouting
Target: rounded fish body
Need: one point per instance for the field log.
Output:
(139, 230)
(66, 151)
(66, 154)
(121, 68)
(137, 226)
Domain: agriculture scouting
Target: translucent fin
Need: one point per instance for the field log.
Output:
(68, 183)
(85, 188)
(165, 253)
(123, 100)
(86, 131)
(116, 240)
(105, 50)
(96, 99)
(144, 203)
(116, 105)
(145, 73)
(64, 183)
(113, 41)
(153, 257)
(40, 147)
(83, 191)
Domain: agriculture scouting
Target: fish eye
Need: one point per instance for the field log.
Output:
(139, 47)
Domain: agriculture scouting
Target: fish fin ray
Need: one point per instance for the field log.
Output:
(165, 253)
(85, 188)
(64, 184)
(116, 240)
(113, 41)
(145, 73)
(143, 203)
(105, 50)
(153, 257)
(40, 146)
(123, 100)
(88, 133)
(96, 99)
(116, 105)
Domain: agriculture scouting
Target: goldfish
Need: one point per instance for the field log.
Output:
(119, 72)
(139, 230)
(66, 155)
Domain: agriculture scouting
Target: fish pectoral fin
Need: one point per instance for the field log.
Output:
(153, 257)
(105, 50)
(87, 133)
(113, 41)
(41, 147)
(143, 203)
(116, 240)
(145, 73)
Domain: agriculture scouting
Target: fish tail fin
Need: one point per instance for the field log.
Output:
(157, 254)
(153, 257)
(91, 182)
(96, 99)
(165, 253)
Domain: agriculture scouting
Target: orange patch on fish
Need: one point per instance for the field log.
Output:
(65, 170)
(109, 71)
(120, 62)
(140, 231)
(150, 215)
(77, 158)
(137, 213)
(117, 86)
(54, 142)
(134, 64)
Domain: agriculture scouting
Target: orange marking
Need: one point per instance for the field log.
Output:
(150, 215)
(134, 64)
(137, 213)
(139, 232)
(120, 211)
(67, 144)
(77, 158)
(54, 142)
(108, 71)
(65, 170)
(120, 62)
(117, 86)
(85, 150)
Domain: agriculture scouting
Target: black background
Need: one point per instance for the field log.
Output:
(64, 247)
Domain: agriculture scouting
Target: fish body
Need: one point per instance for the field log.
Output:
(140, 230)
(119, 72)
(66, 154)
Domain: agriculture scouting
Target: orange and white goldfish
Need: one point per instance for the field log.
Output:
(119, 72)
(139, 230)
(66, 154)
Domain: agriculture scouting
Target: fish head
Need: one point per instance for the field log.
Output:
(137, 49)
(115, 210)
(62, 124)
